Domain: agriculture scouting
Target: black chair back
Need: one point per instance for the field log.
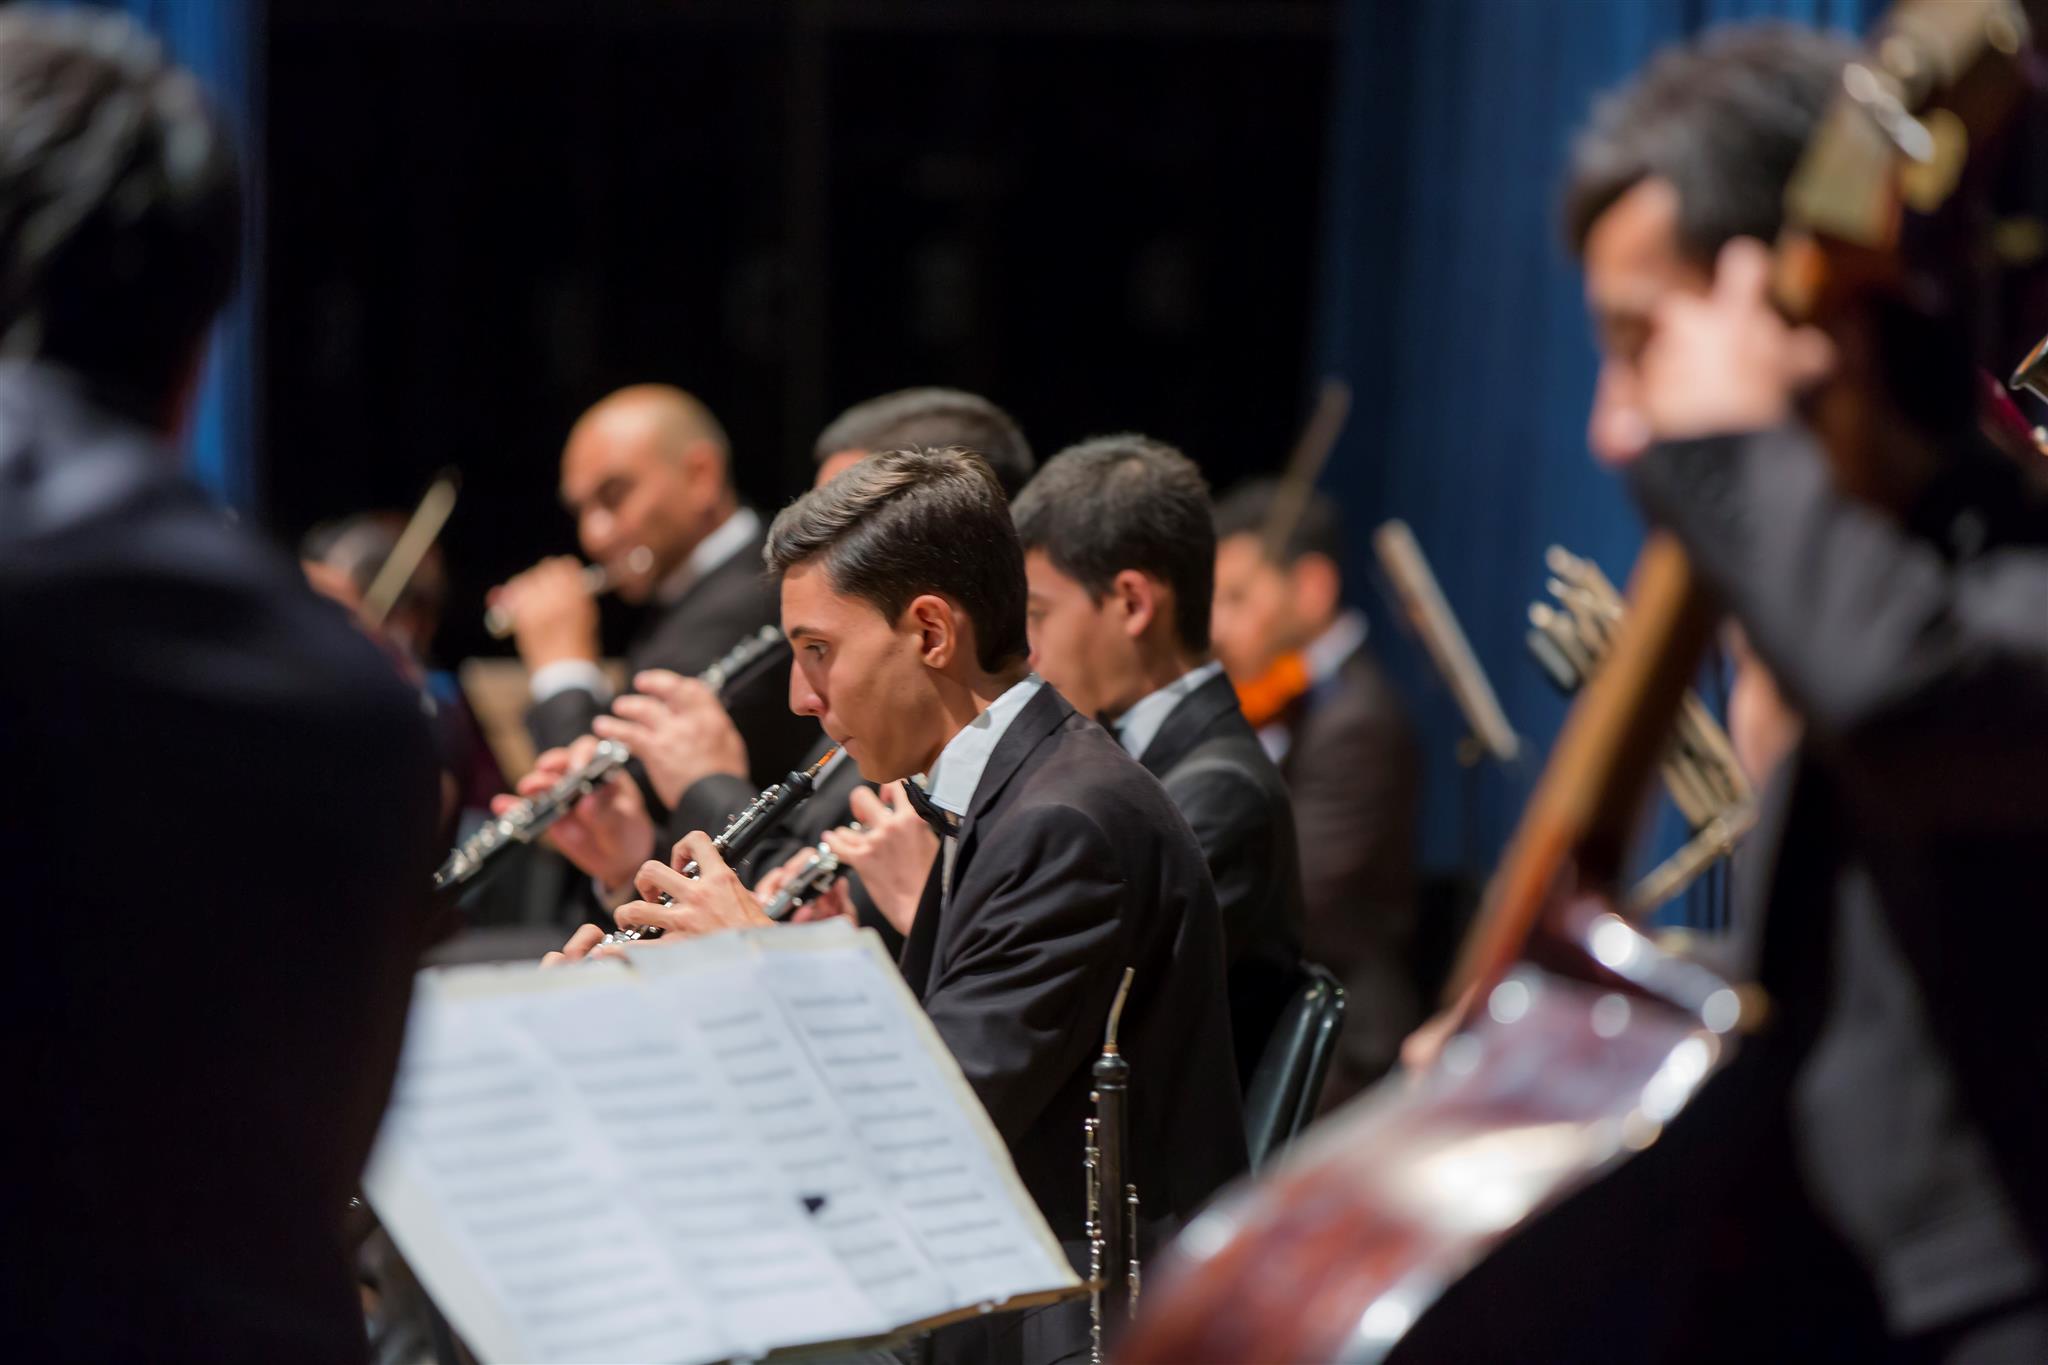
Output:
(1289, 1077)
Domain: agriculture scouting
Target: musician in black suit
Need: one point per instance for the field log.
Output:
(1865, 1180)
(646, 474)
(204, 1015)
(1342, 739)
(1063, 861)
(695, 756)
(1120, 552)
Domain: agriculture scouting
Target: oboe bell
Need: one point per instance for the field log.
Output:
(1112, 1199)
(738, 838)
(597, 581)
(531, 818)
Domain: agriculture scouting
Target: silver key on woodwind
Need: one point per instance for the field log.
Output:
(597, 581)
(529, 819)
(762, 814)
(808, 882)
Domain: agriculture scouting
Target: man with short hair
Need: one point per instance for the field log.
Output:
(932, 418)
(1338, 730)
(1120, 554)
(202, 1040)
(1063, 862)
(646, 474)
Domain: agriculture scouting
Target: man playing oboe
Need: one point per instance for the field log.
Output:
(1063, 861)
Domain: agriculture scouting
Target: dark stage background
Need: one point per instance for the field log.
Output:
(473, 219)
(484, 218)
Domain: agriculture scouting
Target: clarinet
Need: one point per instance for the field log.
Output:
(1112, 1203)
(808, 882)
(762, 814)
(529, 819)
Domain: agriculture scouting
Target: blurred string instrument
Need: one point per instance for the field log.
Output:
(1559, 1072)
(527, 820)
(1569, 638)
(1428, 613)
(1287, 679)
(410, 550)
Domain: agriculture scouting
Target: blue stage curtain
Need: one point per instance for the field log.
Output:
(219, 41)
(1454, 310)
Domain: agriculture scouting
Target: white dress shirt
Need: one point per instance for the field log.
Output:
(1139, 726)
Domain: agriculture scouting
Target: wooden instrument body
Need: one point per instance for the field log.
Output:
(1339, 1253)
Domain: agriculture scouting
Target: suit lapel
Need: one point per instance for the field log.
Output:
(1042, 715)
(1188, 724)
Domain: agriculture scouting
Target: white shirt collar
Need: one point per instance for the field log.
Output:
(956, 772)
(1139, 726)
(727, 539)
(1327, 652)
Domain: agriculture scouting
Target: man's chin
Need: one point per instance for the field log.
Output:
(881, 772)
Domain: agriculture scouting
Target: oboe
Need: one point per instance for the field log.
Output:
(529, 819)
(808, 882)
(597, 581)
(1112, 1202)
(762, 814)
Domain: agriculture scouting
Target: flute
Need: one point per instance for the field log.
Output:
(529, 819)
(597, 581)
(762, 814)
(808, 882)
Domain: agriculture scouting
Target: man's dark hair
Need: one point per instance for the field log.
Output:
(120, 205)
(907, 522)
(934, 419)
(1126, 502)
(1245, 509)
(1722, 119)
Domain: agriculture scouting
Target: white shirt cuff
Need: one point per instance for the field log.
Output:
(563, 674)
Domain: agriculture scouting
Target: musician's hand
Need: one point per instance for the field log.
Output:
(835, 903)
(607, 834)
(893, 852)
(554, 617)
(678, 731)
(583, 943)
(1727, 361)
(712, 901)
(1420, 1049)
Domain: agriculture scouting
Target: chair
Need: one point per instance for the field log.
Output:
(1289, 1077)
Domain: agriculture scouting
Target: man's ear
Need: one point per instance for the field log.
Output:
(1318, 587)
(701, 464)
(938, 626)
(1141, 597)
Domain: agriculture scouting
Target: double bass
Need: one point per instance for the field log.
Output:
(1581, 1043)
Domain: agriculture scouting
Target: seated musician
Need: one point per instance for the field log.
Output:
(197, 1061)
(646, 474)
(1120, 551)
(1341, 737)
(1895, 1090)
(1063, 862)
(697, 759)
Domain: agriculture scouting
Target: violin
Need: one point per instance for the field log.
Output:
(1581, 1042)
(1265, 699)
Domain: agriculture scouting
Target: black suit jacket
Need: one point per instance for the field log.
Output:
(1212, 765)
(687, 636)
(1071, 865)
(1899, 927)
(205, 1009)
(1351, 767)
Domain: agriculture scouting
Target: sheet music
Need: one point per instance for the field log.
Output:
(727, 1146)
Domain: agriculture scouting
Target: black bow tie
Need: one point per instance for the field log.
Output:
(943, 822)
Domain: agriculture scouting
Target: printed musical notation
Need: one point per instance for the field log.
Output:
(719, 1149)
